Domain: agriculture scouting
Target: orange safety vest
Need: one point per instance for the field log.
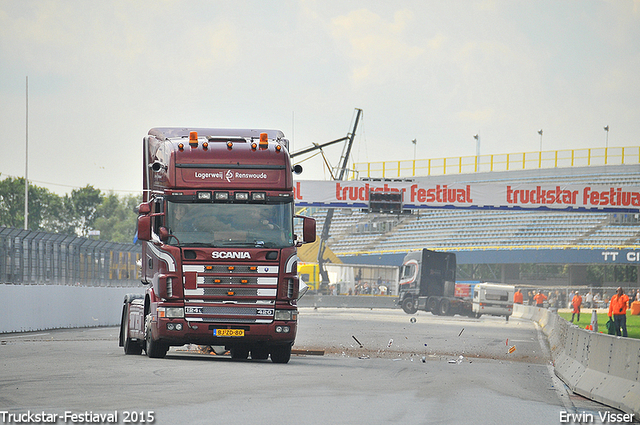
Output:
(618, 304)
(518, 298)
(540, 298)
(577, 302)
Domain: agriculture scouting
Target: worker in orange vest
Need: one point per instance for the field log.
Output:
(540, 298)
(517, 297)
(618, 309)
(576, 302)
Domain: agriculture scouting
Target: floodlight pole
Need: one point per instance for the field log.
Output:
(26, 161)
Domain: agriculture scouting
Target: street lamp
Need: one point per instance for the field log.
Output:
(607, 140)
(415, 142)
(477, 137)
(540, 133)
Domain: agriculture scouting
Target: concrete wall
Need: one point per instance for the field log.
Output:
(26, 308)
(601, 367)
(38, 307)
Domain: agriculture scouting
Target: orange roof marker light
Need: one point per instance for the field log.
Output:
(264, 140)
(193, 139)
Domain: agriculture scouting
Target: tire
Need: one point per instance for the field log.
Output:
(432, 305)
(281, 353)
(409, 305)
(130, 346)
(239, 353)
(122, 326)
(445, 307)
(154, 349)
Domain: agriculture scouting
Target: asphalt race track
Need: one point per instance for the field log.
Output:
(378, 367)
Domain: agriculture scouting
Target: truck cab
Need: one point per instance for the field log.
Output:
(427, 281)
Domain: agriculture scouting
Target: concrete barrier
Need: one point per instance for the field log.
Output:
(601, 367)
(26, 308)
(39, 307)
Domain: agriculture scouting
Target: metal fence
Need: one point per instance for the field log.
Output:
(497, 162)
(28, 257)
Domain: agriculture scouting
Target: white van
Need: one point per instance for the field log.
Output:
(494, 299)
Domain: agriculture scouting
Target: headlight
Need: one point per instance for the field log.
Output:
(171, 312)
(174, 326)
(286, 315)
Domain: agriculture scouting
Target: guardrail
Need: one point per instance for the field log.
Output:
(598, 366)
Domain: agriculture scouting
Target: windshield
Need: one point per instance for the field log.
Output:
(230, 225)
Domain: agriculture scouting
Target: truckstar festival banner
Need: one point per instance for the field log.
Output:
(503, 195)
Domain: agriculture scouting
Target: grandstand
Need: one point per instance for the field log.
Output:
(498, 237)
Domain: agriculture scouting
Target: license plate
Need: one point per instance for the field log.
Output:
(228, 332)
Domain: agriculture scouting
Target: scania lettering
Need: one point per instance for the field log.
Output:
(219, 263)
(230, 255)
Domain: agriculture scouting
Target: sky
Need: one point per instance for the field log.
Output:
(102, 73)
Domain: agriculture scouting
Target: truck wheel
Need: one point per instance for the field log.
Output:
(154, 349)
(239, 353)
(409, 305)
(122, 326)
(432, 305)
(445, 307)
(130, 347)
(281, 353)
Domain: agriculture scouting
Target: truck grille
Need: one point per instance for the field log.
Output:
(223, 293)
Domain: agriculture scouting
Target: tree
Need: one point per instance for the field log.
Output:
(116, 218)
(82, 206)
(44, 206)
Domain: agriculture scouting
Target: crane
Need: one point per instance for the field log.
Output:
(324, 237)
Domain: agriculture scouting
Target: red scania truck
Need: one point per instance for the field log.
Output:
(219, 260)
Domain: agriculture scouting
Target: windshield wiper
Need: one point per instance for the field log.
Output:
(236, 243)
(254, 244)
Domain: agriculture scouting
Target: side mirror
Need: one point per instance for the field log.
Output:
(309, 229)
(144, 208)
(144, 227)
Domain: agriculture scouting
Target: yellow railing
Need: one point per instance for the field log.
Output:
(497, 162)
